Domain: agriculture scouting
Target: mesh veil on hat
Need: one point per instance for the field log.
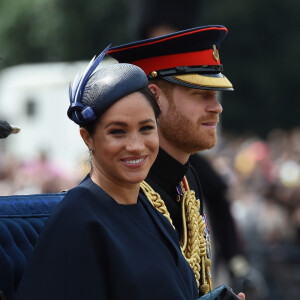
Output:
(96, 91)
(189, 57)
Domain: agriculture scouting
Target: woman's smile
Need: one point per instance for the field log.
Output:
(125, 142)
(134, 162)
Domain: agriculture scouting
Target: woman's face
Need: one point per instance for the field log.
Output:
(125, 143)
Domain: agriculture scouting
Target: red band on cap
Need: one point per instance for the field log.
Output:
(199, 58)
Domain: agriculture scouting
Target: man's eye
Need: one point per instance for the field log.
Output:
(199, 93)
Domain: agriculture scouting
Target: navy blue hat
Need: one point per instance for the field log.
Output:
(190, 57)
(96, 91)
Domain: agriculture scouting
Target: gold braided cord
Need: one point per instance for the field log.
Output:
(193, 244)
(155, 200)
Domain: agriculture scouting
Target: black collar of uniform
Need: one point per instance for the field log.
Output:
(168, 169)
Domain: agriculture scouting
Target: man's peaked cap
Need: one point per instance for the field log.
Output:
(189, 57)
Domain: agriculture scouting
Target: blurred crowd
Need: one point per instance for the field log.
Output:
(263, 177)
(35, 176)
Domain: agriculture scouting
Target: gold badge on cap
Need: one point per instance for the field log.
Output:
(216, 53)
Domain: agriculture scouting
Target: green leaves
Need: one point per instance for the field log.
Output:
(59, 30)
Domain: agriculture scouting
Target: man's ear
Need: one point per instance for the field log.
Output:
(86, 138)
(155, 89)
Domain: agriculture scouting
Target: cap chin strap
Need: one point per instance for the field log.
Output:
(209, 69)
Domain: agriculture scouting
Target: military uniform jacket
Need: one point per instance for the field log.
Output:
(94, 248)
(164, 176)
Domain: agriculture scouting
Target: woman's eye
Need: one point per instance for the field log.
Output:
(116, 131)
(147, 128)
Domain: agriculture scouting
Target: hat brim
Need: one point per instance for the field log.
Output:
(216, 82)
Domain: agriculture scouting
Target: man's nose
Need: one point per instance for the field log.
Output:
(214, 106)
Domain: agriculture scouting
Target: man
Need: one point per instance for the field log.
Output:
(7, 129)
(228, 241)
(184, 72)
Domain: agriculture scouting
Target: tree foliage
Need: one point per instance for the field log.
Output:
(260, 54)
(58, 30)
(260, 58)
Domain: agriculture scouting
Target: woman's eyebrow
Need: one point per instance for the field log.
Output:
(119, 123)
(146, 121)
(124, 124)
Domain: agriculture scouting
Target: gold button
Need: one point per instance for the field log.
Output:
(154, 74)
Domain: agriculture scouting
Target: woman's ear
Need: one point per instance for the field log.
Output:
(86, 138)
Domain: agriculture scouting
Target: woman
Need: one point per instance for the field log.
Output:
(106, 240)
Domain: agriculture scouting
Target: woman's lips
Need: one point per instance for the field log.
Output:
(134, 161)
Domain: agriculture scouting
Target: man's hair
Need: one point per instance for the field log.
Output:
(165, 85)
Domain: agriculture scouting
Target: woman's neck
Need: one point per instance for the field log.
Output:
(122, 193)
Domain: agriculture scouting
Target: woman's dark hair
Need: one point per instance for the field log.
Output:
(90, 127)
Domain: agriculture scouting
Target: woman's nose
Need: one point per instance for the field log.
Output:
(135, 143)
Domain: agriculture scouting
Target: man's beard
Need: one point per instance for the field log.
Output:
(181, 132)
